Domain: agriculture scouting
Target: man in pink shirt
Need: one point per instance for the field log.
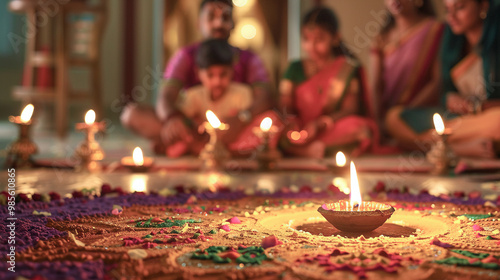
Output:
(166, 125)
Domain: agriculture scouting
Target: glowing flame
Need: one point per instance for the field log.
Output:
(90, 117)
(212, 119)
(27, 113)
(340, 159)
(138, 157)
(266, 124)
(438, 124)
(355, 193)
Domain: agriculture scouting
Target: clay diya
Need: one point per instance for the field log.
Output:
(89, 153)
(267, 155)
(356, 215)
(214, 155)
(340, 166)
(19, 153)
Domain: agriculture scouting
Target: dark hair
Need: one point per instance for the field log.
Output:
(214, 52)
(427, 9)
(453, 51)
(326, 19)
(227, 2)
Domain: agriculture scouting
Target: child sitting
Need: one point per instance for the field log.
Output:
(324, 91)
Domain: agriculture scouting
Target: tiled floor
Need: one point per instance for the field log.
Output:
(43, 181)
(64, 181)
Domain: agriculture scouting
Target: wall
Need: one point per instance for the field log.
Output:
(112, 53)
(355, 17)
(360, 20)
(145, 71)
(11, 61)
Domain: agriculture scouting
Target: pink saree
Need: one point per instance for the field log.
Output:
(408, 65)
(323, 93)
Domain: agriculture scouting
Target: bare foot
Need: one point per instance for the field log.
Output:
(482, 148)
(141, 120)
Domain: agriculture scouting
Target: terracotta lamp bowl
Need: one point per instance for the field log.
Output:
(370, 216)
(128, 162)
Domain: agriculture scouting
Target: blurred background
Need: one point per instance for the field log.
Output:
(113, 51)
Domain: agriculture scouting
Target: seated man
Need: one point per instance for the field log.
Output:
(165, 125)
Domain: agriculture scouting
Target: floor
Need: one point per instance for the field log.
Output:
(43, 181)
(396, 171)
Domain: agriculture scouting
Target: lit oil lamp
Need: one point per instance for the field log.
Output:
(89, 153)
(19, 153)
(137, 162)
(297, 137)
(356, 215)
(340, 160)
(267, 156)
(214, 154)
(440, 155)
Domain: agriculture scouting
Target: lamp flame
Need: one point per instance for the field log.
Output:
(266, 124)
(212, 119)
(90, 117)
(355, 193)
(27, 113)
(340, 159)
(138, 157)
(438, 124)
